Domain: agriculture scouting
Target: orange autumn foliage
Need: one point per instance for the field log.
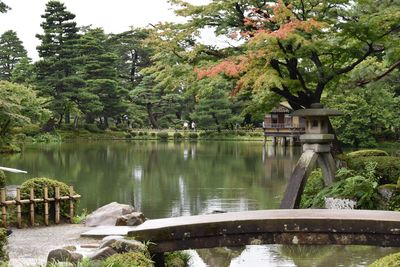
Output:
(231, 67)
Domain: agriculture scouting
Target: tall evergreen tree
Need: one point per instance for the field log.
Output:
(11, 52)
(24, 72)
(56, 71)
(99, 72)
(3, 7)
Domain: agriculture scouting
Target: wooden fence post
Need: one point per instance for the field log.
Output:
(32, 206)
(46, 205)
(71, 203)
(57, 204)
(3, 207)
(18, 204)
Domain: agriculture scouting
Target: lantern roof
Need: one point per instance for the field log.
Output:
(317, 110)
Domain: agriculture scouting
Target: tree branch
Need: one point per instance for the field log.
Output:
(380, 76)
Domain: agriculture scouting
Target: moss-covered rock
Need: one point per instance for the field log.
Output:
(130, 259)
(392, 260)
(388, 168)
(38, 185)
(367, 153)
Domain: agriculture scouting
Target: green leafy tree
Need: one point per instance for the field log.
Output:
(297, 49)
(56, 71)
(12, 52)
(3, 7)
(20, 105)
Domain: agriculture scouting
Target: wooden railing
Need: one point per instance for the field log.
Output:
(283, 125)
(32, 201)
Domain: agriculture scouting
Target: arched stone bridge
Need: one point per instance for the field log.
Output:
(306, 227)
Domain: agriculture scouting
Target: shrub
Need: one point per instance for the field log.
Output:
(128, 260)
(38, 185)
(162, 136)
(3, 246)
(2, 179)
(177, 259)
(93, 128)
(178, 135)
(31, 129)
(141, 134)
(47, 138)
(153, 134)
(392, 260)
(193, 135)
(241, 133)
(114, 128)
(367, 153)
(315, 183)
(128, 136)
(388, 168)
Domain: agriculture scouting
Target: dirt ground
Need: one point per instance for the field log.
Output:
(30, 247)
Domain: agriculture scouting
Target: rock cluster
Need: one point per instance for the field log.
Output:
(109, 246)
(115, 214)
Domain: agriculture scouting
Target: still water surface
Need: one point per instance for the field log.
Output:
(175, 179)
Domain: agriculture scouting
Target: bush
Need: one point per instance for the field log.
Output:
(128, 260)
(47, 138)
(367, 153)
(38, 185)
(392, 260)
(388, 168)
(2, 179)
(31, 129)
(93, 128)
(193, 135)
(178, 135)
(162, 136)
(3, 246)
(177, 259)
(141, 134)
(315, 183)
(153, 134)
(241, 133)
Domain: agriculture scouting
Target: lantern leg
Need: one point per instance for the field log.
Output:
(298, 179)
(328, 166)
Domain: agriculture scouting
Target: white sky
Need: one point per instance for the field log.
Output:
(112, 15)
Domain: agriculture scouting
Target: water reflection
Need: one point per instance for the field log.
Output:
(164, 179)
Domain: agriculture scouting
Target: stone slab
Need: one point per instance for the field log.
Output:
(102, 231)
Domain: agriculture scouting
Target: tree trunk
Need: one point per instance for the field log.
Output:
(152, 119)
(76, 121)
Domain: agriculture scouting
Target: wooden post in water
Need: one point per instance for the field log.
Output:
(57, 204)
(32, 206)
(71, 203)
(46, 206)
(18, 204)
(3, 207)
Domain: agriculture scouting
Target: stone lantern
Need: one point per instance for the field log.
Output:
(316, 147)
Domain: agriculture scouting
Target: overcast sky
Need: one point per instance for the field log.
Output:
(112, 15)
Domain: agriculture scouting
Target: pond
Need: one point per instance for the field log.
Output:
(176, 179)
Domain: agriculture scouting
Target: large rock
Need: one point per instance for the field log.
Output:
(132, 219)
(102, 254)
(109, 240)
(63, 255)
(108, 214)
(125, 245)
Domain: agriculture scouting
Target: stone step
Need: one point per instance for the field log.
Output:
(102, 231)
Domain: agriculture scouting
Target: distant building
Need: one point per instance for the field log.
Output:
(280, 125)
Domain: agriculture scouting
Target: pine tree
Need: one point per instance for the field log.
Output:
(24, 72)
(99, 72)
(56, 71)
(11, 52)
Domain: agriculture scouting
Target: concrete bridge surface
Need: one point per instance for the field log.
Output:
(298, 226)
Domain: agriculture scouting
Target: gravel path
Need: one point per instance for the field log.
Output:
(30, 247)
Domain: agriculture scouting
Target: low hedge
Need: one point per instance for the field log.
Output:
(162, 136)
(388, 168)
(367, 153)
(178, 135)
(38, 185)
(392, 260)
